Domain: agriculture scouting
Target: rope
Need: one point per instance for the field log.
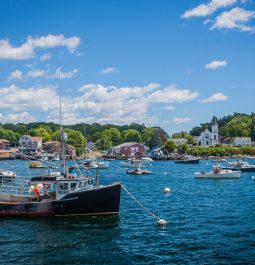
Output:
(152, 214)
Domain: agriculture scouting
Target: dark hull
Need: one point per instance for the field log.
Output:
(193, 161)
(242, 169)
(98, 201)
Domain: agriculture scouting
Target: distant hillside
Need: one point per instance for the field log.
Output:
(238, 124)
(92, 132)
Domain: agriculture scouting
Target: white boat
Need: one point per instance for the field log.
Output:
(219, 160)
(218, 173)
(56, 157)
(7, 174)
(146, 159)
(243, 166)
(131, 163)
(102, 164)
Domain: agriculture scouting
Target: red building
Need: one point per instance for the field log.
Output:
(130, 149)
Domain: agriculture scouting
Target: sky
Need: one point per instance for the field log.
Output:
(173, 64)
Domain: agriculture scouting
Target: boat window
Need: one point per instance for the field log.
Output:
(80, 184)
(63, 186)
(73, 185)
(84, 183)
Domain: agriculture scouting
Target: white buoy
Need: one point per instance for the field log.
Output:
(162, 222)
(253, 177)
(167, 190)
(165, 173)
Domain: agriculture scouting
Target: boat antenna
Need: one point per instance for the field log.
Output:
(62, 133)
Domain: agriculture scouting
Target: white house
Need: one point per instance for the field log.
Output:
(30, 144)
(208, 138)
(179, 140)
(242, 141)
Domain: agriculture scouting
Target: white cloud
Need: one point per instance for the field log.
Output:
(180, 120)
(109, 70)
(35, 73)
(15, 75)
(216, 64)
(19, 99)
(39, 73)
(207, 9)
(96, 102)
(171, 94)
(26, 50)
(215, 97)
(235, 18)
(23, 117)
(64, 75)
(45, 57)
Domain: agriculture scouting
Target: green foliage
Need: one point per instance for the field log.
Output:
(8, 135)
(76, 139)
(221, 150)
(184, 135)
(170, 146)
(182, 148)
(131, 135)
(239, 126)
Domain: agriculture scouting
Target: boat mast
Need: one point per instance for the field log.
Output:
(62, 133)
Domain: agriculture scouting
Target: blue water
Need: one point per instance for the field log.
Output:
(209, 222)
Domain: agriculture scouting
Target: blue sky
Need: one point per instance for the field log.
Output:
(172, 64)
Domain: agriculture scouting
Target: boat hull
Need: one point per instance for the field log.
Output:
(242, 169)
(97, 201)
(191, 161)
(225, 175)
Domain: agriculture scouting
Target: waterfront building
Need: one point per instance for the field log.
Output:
(54, 147)
(4, 144)
(30, 144)
(179, 140)
(207, 138)
(241, 141)
(130, 149)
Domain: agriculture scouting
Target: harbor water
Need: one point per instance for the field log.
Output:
(208, 222)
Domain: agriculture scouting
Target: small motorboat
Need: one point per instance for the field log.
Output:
(241, 166)
(218, 173)
(36, 164)
(131, 163)
(139, 171)
(188, 160)
(146, 159)
(7, 174)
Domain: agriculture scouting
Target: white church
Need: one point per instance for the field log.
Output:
(208, 138)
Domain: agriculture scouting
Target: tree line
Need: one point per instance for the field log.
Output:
(104, 136)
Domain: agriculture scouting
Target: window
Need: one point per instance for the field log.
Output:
(73, 186)
(80, 184)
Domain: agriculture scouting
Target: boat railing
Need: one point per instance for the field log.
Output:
(17, 186)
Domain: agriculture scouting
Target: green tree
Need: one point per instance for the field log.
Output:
(156, 138)
(40, 132)
(115, 136)
(131, 135)
(147, 136)
(182, 148)
(170, 146)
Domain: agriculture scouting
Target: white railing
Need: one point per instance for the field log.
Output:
(16, 185)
